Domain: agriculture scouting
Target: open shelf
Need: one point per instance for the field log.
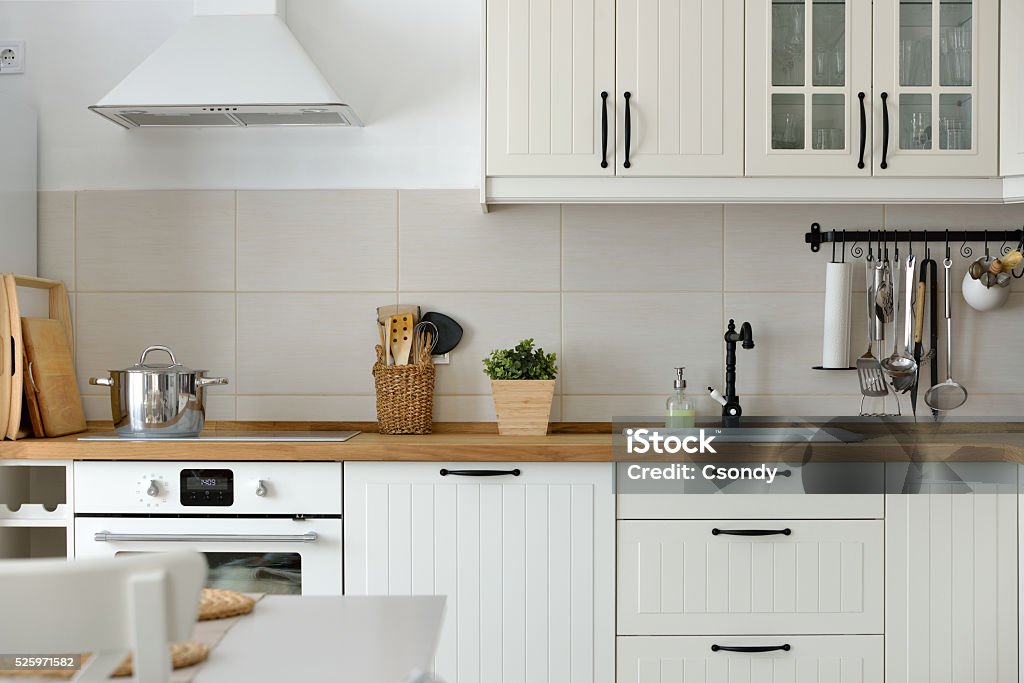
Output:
(33, 515)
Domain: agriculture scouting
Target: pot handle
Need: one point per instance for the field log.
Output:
(142, 358)
(206, 381)
(101, 381)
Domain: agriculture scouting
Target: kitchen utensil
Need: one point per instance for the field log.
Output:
(978, 268)
(918, 333)
(449, 332)
(424, 334)
(400, 337)
(14, 428)
(382, 338)
(948, 395)
(981, 296)
(6, 360)
(884, 299)
(933, 323)
(385, 313)
(869, 372)
(877, 328)
(50, 381)
(901, 365)
(158, 399)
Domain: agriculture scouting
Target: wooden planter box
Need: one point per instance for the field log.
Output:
(523, 406)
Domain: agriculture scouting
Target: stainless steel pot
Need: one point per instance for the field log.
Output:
(148, 400)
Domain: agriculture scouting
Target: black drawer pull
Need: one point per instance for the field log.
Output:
(604, 129)
(629, 128)
(480, 473)
(785, 647)
(751, 532)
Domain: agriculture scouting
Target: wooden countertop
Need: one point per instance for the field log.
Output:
(568, 442)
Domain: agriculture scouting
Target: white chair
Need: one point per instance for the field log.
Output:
(109, 607)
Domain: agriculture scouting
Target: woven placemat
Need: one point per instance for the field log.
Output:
(216, 603)
(183, 654)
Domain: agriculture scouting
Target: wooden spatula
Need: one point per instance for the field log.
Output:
(401, 337)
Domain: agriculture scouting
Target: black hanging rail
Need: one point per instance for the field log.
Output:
(1007, 238)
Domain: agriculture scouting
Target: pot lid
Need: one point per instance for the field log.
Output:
(173, 367)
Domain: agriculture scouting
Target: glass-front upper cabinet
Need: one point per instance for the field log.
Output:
(936, 84)
(808, 87)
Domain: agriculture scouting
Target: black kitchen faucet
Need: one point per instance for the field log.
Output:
(731, 409)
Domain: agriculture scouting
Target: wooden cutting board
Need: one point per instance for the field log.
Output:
(50, 382)
(6, 361)
(14, 430)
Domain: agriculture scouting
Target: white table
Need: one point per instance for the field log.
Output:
(350, 639)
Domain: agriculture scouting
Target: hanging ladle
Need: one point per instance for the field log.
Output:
(900, 365)
(947, 395)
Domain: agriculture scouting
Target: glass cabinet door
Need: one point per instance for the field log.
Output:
(935, 79)
(816, 61)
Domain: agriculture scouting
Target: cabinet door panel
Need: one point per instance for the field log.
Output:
(937, 61)
(548, 61)
(807, 63)
(682, 578)
(682, 63)
(527, 563)
(951, 575)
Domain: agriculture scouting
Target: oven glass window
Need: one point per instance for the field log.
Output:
(276, 573)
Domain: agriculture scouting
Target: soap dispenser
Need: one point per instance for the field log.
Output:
(680, 411)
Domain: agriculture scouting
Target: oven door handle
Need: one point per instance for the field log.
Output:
(309, 537)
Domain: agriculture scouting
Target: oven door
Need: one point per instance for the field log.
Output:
(249, 555)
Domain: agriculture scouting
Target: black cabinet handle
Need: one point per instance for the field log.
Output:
(785, 647)
(629, 126)
(604, 129)
(863, 129)
(885, 129)
(480, 473)
(751, 532)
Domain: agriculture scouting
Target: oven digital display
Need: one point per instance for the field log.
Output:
(207, 487)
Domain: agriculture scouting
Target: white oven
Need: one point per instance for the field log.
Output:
(265, 527)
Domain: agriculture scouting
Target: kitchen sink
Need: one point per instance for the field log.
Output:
(770, 434)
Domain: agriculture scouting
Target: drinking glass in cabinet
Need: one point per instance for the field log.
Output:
(787, 42)
(828, 120)
(955, 121)
(828, 21)
(955, 43)
(787, 121)
(915, 43)
(915, 121)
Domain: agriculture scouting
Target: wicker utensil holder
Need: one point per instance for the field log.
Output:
(405, 395)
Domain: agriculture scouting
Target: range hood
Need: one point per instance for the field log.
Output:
(235, 63)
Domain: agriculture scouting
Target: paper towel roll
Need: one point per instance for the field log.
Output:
(835, 347)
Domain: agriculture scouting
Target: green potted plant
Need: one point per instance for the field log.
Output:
(523, 385)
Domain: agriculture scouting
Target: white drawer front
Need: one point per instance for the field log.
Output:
(812, 491)
(810, 659)
(680, 578)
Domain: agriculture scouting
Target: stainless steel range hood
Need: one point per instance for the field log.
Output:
(235, 63)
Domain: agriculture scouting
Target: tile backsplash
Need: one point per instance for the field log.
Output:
(276, 290)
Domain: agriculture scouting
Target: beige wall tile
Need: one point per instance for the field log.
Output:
(56, 236)
(662, 248)
(173, 241)
(490, 321)
(596, 408)
(303, 408)
(476, 409)
(299, 344)
(447, 244)
(114, 329)
(765, 249)
(320, 240)
(630, 343)
(788, 331)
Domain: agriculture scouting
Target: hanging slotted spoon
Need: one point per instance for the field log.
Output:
(947, 395)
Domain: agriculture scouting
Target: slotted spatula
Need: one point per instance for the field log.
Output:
(869, 369)
(401, 337)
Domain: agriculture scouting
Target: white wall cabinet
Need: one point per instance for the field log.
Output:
(928, 70)
(548, 63)
(526, 562)
(951, 575)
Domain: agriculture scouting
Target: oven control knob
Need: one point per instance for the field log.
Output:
(261, 488)
(154, 489)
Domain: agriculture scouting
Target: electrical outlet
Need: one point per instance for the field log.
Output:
(12, 56)
(441, 359)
